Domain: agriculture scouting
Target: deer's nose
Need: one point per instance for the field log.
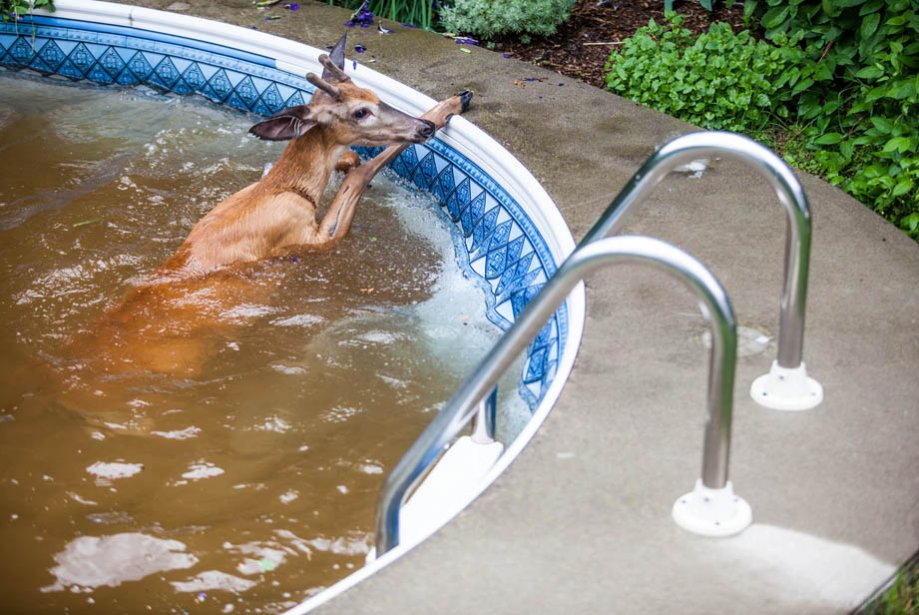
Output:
(426, 130)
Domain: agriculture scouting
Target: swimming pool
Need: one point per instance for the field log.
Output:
(512, 234)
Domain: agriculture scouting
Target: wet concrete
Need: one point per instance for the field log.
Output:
(581, 521)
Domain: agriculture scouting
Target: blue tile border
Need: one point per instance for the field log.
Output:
(502, 246)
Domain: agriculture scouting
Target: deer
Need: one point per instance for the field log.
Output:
(172, 323)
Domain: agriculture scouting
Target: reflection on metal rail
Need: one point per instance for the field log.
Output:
(711, 508)
(786, 386)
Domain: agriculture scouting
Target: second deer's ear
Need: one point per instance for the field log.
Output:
(285, 125)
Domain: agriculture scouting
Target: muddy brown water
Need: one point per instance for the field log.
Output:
(252, 485)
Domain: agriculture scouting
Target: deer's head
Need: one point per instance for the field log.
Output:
(350, 114)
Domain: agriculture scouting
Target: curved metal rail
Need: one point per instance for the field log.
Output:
(694, 146)
(583, 261)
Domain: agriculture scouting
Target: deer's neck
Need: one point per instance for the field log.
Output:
(305, 165)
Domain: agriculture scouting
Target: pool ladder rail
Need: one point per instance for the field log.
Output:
(711, 508)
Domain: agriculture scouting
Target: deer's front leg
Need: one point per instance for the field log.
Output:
(337, 220)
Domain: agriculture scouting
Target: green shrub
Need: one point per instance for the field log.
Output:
(836, 92)
(861, 106)
(719, 80)
(490, 18)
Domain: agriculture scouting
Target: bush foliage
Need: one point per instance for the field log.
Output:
(719, 80)
(16, 9)
(839, 78)
(487, 19)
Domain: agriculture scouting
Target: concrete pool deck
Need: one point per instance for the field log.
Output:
(580, 523)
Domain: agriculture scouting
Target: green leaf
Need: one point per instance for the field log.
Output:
(900, 144)
(869, 72)
(830, 138)
(903, 187)
(870, 25)
(903, 89)
(847, 148)
(871, 7)
(775, 17)
(883, 125)
(749, 8)
(910, 223)
(824, 70)
(802, 85)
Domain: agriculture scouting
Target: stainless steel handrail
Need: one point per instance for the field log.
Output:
(694, 146)
(583, 261)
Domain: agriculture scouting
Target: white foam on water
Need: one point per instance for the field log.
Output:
(108, 471)
(344, 545)
(201, 470)
(266, 556)
(288, 496)
(274, 424)
(380, 337)
(214, 580)
(300, 320)
(340, 414)
(246, 312)
(457, 298)
(179, 434)
(370, 468)
(288, 369)
(97, 561)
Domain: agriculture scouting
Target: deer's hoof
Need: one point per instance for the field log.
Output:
(465, 99)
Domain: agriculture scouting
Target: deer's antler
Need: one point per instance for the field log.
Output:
(326, 87)
(332, 71)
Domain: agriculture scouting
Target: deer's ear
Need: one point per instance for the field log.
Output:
(285, 125)
(337, 56)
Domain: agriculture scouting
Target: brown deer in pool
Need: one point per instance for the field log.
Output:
(170, 325)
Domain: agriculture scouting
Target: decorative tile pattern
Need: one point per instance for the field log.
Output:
(500, 243)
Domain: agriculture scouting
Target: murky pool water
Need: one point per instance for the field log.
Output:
(252, 484)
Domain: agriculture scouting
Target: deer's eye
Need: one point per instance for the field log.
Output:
(360, 114)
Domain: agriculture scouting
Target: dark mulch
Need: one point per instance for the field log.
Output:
(581, 46)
